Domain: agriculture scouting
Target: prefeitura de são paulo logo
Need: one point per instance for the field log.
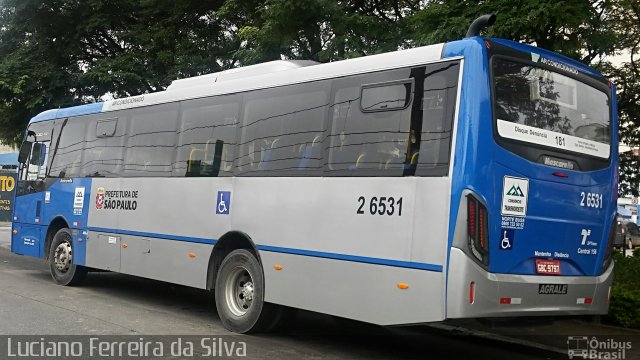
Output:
(99, 198)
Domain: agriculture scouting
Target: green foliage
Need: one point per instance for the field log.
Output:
(573, 28)
(67, 52)
(627, 270)
(627, 79)
(58, 53)
(624, 307)
(320, 30)
(629, 175)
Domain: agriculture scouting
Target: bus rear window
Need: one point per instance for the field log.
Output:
(546, 108)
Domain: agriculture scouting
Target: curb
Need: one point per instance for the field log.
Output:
(628, 331)
(499, 338)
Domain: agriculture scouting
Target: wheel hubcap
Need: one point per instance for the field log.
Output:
(63, 256)
(239, 291)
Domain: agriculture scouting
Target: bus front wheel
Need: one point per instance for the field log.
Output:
(63, 270)
(239, 294)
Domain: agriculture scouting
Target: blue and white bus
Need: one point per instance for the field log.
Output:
(475, 178)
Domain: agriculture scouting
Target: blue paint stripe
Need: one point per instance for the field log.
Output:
(361, 259)
(153, 235)
(319, 254)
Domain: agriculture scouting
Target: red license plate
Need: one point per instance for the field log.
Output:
(548, 267)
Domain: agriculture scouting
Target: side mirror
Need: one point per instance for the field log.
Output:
(25, 150)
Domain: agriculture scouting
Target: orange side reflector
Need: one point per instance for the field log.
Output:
(277, 267)
(403, 286)
(15, 232)
(192, 254)
(124, 246)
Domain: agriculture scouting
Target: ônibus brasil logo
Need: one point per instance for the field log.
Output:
(99, 198)
(515, 191)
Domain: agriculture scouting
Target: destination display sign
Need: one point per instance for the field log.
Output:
(530, 134)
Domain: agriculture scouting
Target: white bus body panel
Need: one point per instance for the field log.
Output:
(354, 290)
(333, 259)
(309, 226)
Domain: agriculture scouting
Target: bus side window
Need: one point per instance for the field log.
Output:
(66, 160)
(370, 125)
(207, 137)
(151, 141)
(103, 154)
(438, 108)
(433, 108)
(278, 125)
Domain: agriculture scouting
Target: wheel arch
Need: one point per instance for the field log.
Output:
(232, 240)
(59, 222)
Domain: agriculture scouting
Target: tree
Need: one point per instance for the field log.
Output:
(627, 78)
(34, 72)
(66, 52)
(588, 31)
(320, 30)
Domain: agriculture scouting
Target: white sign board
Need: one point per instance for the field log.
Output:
(534, 135)
(78, 198)
(515, 192)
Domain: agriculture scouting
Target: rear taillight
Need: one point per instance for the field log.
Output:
(482, 233)
(608, 251)
(478, 230)
(471, 216)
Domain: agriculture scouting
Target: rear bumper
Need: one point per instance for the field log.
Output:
(489, 288)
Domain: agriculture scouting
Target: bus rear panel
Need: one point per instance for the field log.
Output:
(533, 230)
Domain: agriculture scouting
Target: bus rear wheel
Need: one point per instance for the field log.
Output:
(239, 294)
(63, 270)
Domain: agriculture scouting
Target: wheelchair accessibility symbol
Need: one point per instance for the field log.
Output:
(507, 239)
(223, 204)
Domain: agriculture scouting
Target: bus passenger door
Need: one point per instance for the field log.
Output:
(29, 206)
(32, 185)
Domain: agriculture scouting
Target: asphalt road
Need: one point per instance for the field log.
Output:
(115, 304)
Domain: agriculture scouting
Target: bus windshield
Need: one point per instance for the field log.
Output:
(542, 107)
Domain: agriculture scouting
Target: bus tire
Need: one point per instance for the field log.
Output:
(63, 270)
(239, 295)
